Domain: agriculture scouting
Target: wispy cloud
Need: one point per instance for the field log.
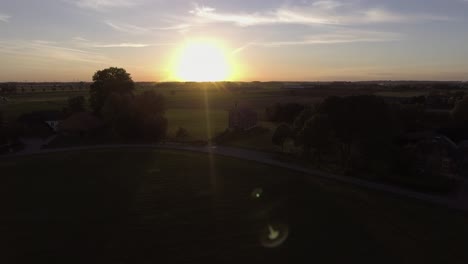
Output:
(320, 12)
(85, 43)
(51, 51)
(340, 36)
(127, 28)
(104, 4)
(134, 29)
(4, 18)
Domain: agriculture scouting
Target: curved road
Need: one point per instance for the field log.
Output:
(458, 201)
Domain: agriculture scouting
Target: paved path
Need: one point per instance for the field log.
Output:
(458, 201)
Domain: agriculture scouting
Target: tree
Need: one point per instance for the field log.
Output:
(3, 136)
(316, 134)
(302, 118)
(150, 108)
(286, 113)
(76, 104)
(181, 133)
(460, 112)
(361, 122)
(281, 134)
(107, 82)
(119, 115)
(136, 118)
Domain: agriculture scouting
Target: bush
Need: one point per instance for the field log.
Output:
(181, 133)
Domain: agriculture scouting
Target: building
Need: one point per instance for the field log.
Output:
(80, 124)
(40, 123)
(242, 118)
(463, 158)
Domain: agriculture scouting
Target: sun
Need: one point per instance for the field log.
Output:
(202, 61)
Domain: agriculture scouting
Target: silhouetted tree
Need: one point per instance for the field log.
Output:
(109, 81)
(363, 122)
(302, 118)
(181, 133)
(136, 118)
(150, 112)
(286, 113)
(460, 112)
(119, 115)
(76, 104)
(282, 133)
(3, 137)
(316, 134)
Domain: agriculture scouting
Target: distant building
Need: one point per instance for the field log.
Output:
(463, 157)
(80, 124)
(242, 118)
(40, 123)
(435, 155)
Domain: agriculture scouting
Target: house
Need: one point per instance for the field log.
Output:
(80, 124)
(242, 118)
(436, 156)
(463, 157)
(40, 123)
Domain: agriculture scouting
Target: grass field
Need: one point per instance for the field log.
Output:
(185, 108)
(145, 206)
(200, 124)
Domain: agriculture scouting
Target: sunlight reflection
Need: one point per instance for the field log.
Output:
(257, 193)
(213, 177)
(274, 235)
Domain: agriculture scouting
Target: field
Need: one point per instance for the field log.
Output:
(188, 108)
(203, 109)
(141, 206)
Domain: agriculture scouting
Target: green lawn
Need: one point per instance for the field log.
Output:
(200, 124)
(140, 206)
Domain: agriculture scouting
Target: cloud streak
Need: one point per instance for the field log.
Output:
(338, 37)
(127, 28)
(50, 51)
(317, 13)
(101, 5)
(85, 43)
(4, 18)
(133, 29)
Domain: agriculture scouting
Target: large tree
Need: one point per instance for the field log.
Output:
(76, 104)
(136, 118)
(282, 133)
(107, 82)
(316, 134)
(2, 130)
(363, 123)
(460, 112)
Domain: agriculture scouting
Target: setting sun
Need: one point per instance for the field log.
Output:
(202, 61)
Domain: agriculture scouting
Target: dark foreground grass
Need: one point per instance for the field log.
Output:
(176, 207)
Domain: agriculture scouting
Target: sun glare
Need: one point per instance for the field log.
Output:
(202, 61)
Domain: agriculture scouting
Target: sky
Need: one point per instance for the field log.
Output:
(274, 40)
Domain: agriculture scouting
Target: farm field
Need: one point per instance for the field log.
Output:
(186, 108)
(112, 206)
(192, 107)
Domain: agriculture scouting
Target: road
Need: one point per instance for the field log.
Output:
(458, 201)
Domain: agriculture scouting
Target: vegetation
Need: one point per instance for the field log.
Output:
(282, 133)
(75, 105)
(107, 82)
(460, 112)
(136, 118)
(137, 200)
(283, 112)
(181, 133)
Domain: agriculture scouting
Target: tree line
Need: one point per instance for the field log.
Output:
(361, 133)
